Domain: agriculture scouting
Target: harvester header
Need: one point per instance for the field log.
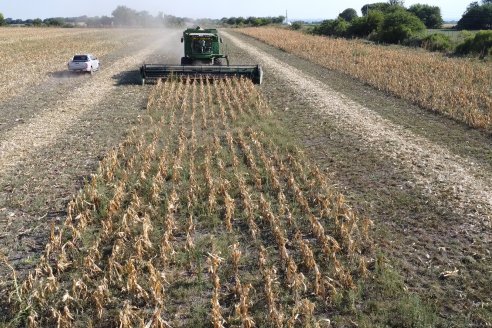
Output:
(203, 56)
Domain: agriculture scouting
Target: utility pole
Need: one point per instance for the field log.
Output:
(286, 17)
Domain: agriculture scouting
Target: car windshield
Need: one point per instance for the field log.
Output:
(80, 58)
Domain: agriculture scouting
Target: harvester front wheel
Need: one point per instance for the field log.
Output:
(258, 76)
(219, 61)
(186, 61)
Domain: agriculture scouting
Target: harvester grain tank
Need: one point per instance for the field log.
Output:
(203, 56)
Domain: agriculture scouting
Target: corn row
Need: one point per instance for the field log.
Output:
(134, 237)
(269, 275)
(216, 315)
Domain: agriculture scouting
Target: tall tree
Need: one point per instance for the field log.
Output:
(377, 6)
(333, 27)
(400, 3)
(472, 5)
(430, 15)
(2, 20)
(124, 16)
(365, 25)
(37, 22)
(348, 14)
(54, 21)
(106, 21)
(145, 19)
(476, 17)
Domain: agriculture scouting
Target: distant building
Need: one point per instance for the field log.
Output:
(286, 20)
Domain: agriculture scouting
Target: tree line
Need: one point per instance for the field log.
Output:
(388, 22)
(122, 16)
(391, 22)
(476, 17)
(251, 21)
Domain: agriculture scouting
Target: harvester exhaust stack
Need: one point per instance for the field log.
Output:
(202, 58)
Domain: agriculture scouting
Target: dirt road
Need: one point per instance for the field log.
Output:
(424, 179)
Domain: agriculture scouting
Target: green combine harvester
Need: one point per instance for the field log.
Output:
(202, 57)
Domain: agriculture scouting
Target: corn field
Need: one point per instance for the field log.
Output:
(199, 218)
(458, 88)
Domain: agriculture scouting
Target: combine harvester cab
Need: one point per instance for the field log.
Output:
(202, 57)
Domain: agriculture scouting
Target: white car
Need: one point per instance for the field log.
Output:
(83, 63)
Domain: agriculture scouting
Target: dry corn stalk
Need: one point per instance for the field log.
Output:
(248, 207)
(127, 315)
(216, 316)
(236, 257)
(135, 218)
(229, 208)
(269, 278)
(242, 309)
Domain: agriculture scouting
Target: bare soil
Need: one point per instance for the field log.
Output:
(423, 179)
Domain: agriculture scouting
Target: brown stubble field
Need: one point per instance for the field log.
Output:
(194, 206)
(217, 203)
(55, 126)
(427, 225)
(30, 56)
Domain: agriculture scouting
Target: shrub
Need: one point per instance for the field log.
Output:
(358, 27)
(37, 22)
(399, 26)
(480, 44)
(333, 27)
(296, 26)
(436, 42)
(363, 26)
(58, 21)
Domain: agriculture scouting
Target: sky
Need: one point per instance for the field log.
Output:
(297, 9)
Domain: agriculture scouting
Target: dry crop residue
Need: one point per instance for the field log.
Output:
(43, 130)
(199, 217)
(31, 55)
(53, 134)
(446, 225)
(434, 168)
